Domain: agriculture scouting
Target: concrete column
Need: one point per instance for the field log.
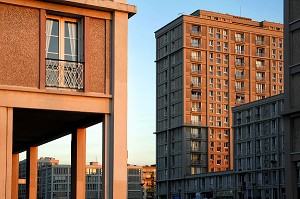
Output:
(6, 124)
(78, 159)
(115, 124)
(31, 172)
(15, 176)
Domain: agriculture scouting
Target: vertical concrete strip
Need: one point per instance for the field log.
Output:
(15, 176)
(78, 160)
(119, 108)
(107, 157)
(31, 172)
(9, 143)
(5, 151)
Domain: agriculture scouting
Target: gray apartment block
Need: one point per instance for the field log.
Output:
(259, 170)
(259, 149)
(54, 180)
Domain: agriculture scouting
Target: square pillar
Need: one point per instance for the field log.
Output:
(6, 131)
(115, 124)
(78, 164)
(15, 176)
(31, 172)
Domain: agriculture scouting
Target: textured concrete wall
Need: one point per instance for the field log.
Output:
(97, 55)
(19, 46)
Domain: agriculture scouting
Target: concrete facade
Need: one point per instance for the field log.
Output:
(63, 77)
(207, 63)
(292, 104)
(259, 149)
(54, 180)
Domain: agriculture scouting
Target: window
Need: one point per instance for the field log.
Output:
(239, 49)
(239, 37)
(64, 67)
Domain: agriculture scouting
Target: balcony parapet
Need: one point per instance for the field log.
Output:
(64, 74)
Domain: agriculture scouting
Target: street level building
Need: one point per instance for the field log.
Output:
(149, 181)
(54, 180)
(292, 94)
(63, 69)
(259, 162)
(207, 63)
(258, 158)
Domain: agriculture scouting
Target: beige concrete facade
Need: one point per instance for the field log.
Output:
(207, 63)
(66, 75)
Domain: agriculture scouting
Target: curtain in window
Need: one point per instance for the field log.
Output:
(72, 33)
(49, 25)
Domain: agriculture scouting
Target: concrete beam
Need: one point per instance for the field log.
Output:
(15, 176)
(6, 125)
(78, 160)
(31, 172)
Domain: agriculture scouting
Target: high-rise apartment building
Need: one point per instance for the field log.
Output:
(292, 95)
(206, 64)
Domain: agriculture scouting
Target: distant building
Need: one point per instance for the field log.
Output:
(207, 63)
(258, 158)
(292, 96)
(135, 190)
(149, 182)
(259, 149)
(54, 180)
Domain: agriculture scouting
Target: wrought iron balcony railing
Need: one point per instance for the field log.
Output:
(64, 74)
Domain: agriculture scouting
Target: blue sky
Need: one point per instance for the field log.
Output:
(152, 15)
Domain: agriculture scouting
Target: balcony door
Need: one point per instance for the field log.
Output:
(63, 66)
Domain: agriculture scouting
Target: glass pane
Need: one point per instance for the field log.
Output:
(53, 45)
(55, 29)
(71, 30)
(68, 46)
(52, 56)
(71, 58)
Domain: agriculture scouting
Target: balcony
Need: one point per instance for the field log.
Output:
(196, 149)
(259, 78)
(239, 76)
(260, 54)
(239, 88)
(196, 109)
(195, 84)
(240, 101)
(260, 66)
(260, 90)
(64, 74)
(195, 97)
(239, 39)
(239, 51)
(239, 63)
(195, 45)
(195, 58)
(195, 32)
(195, 71)
(260, 42)
(196, 122)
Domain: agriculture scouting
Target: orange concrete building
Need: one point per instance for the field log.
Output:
(149, 181)
(207, 63)
(63, 69)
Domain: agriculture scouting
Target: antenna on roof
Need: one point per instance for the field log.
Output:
(241, 9)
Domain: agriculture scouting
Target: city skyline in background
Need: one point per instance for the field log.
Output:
(151, 16)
